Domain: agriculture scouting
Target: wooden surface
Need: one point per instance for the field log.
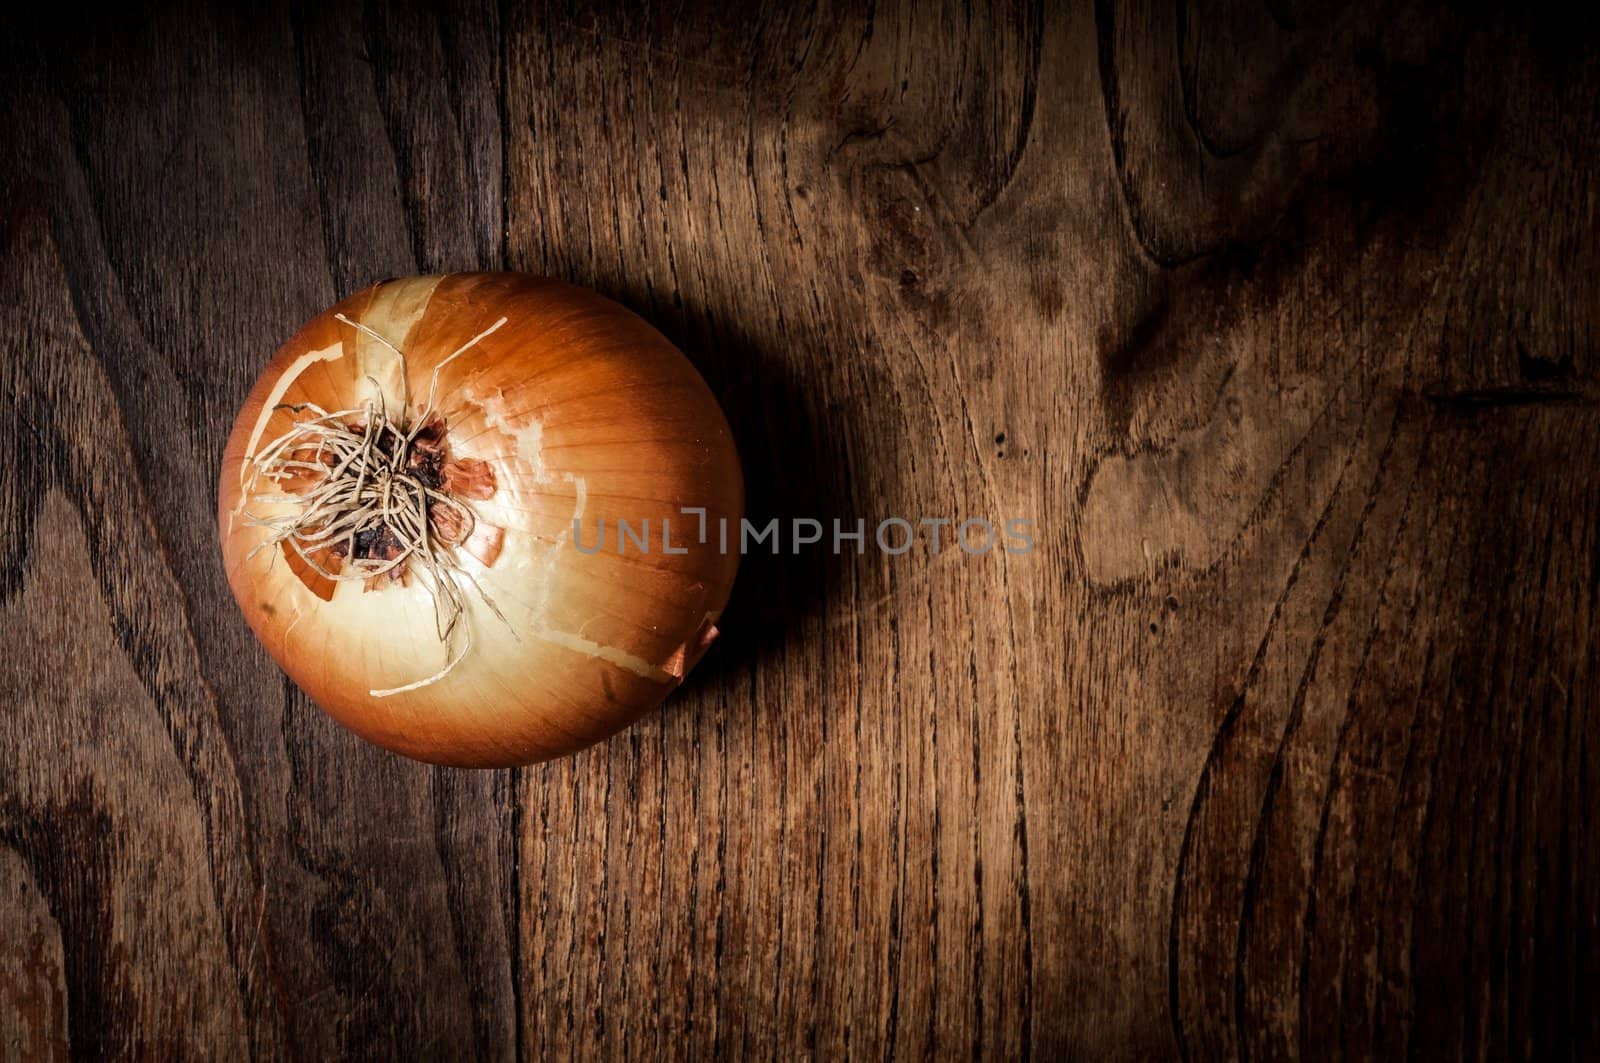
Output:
(1277, 319)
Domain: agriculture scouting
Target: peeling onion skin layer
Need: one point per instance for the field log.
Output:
(583, 411)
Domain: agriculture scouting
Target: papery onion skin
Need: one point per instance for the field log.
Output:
(583, 411)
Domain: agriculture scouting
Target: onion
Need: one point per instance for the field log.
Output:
(399, 500)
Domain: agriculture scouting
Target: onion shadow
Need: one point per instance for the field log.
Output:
(792, 470)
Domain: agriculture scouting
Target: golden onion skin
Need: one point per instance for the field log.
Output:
(583, 411)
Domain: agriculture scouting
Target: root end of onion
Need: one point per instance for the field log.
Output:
(374, 499)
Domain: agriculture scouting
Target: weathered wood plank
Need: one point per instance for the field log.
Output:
(1276, 320)
(169, 160)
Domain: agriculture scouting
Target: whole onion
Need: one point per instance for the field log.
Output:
(400, 494)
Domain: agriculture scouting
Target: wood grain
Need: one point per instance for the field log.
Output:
(1277, 321)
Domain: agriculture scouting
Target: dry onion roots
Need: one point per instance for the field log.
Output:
(411, 564)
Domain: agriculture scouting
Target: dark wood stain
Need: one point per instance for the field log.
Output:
(1278, 321)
